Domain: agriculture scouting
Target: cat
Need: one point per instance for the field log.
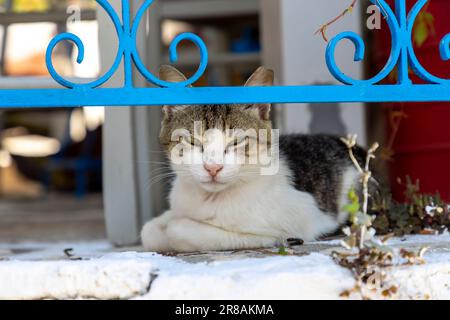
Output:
(219, 204)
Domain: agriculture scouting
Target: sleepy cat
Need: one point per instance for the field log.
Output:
(225, 198)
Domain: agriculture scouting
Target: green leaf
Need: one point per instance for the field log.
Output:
(428, 17)
(352, 207)
(282, 251)
(420, 33)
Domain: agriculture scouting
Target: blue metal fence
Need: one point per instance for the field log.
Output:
(402, 57)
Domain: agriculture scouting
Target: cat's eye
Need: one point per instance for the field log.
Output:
(192, 141)
(238, 142)
(234, 143)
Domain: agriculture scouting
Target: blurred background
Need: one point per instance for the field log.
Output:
(91, 173)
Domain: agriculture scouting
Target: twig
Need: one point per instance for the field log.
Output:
(68, 253)
(395, 118)
(366, 174)
(350, 142)
(324, 27)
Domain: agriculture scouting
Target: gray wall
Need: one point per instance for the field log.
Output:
(131, 148)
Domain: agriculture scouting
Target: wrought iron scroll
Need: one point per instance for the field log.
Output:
(126, 34)
(402, 57)
(402, 52)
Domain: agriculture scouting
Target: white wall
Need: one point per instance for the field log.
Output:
(298, 58)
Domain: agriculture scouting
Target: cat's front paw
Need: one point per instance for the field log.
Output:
(154, 237)
(184, 236)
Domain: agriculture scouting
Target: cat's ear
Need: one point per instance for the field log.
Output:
(171, 74)
(262, 77)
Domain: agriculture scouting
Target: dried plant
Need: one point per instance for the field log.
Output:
(367, 257)
(361, 220)
(423, 28)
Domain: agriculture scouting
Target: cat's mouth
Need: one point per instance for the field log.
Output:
(214, 186)
(213, 182)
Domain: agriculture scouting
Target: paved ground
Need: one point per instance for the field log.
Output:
(96, 270)
(57, 217)
(35, 264)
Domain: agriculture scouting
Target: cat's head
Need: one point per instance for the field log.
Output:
(217, 146)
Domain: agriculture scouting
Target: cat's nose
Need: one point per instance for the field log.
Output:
(213, 169)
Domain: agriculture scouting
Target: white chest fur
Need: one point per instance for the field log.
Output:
(265, 206)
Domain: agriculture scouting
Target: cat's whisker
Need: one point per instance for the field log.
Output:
(159, 165)
(154, 166)
(158, 179)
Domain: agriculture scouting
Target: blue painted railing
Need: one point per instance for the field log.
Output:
(402, 57)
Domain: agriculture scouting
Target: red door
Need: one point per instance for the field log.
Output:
(421, 147)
